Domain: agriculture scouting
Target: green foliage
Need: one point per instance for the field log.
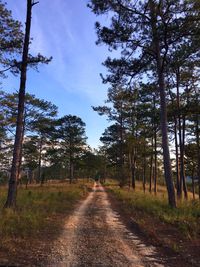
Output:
(11, 37)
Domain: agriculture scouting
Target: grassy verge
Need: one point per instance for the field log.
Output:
(35, 207)
(153, 214)
(38, 218)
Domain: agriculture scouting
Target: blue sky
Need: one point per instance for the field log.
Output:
(65, 30)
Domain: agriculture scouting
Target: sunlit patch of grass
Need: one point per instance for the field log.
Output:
(36, 206)
(186, 217)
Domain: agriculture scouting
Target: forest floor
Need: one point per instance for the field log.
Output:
(95, 232)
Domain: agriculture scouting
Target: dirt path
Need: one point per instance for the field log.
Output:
(95, 236)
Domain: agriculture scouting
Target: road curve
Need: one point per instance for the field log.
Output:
(94, 236)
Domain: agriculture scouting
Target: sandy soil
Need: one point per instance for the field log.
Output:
(94, 235)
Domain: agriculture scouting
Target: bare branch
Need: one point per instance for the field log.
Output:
(35, 3)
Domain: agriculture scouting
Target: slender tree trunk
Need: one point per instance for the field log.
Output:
(121, 152)
(181, 133)
(182, 160)
(21, 154)
(31, 176)
(130, 166)
(198, 151)
(164, 122)
(193, 185)
(133, 167)
(155, 162)
(178, 189)
(40, 160)
(70, 171)
(12, 190)
(71, 164)
(150, 173)
(144, 169)
(179, 130)
(155, 147)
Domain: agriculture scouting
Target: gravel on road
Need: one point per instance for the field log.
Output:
(94, 236)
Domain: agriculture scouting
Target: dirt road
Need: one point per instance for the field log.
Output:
(94, 236)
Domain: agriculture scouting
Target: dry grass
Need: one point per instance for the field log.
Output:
(186, 218)
(35, 208)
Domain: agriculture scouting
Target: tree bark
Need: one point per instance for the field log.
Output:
(178, 188)
(150, 173)
(133, 168)
(144, 169)
(193, 185)
(181, 134)
(182, 148)
(121, 152)
(155, 163)
(12, 190)
(71, 166)
(198, 152)
(40, 160)
(164, 122)
(155, 149)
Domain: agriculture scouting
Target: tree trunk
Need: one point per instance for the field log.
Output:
(121, 152)
(181, 134)
(21, 152)
(12, 190)
(71, 170)
(155, 162)
(155, 148)
(130, 165)
(198, 152)
(178, 189)
(150, 173)
(164, 122)
(179, 129)
(144, 169)
(133, 167)
(193, 185)
(40, 160)
(71, 167)
(182, 147)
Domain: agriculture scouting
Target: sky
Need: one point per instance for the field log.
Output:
(64, 29)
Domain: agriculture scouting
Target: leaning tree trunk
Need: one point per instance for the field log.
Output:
(12, 190)
(163, 106)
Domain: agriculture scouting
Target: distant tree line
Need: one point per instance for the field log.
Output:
(53, 148)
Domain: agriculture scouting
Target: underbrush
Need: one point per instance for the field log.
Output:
(143, 207)
(37, 209)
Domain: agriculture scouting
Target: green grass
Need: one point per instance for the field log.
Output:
(36, 208)
(186, 217)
